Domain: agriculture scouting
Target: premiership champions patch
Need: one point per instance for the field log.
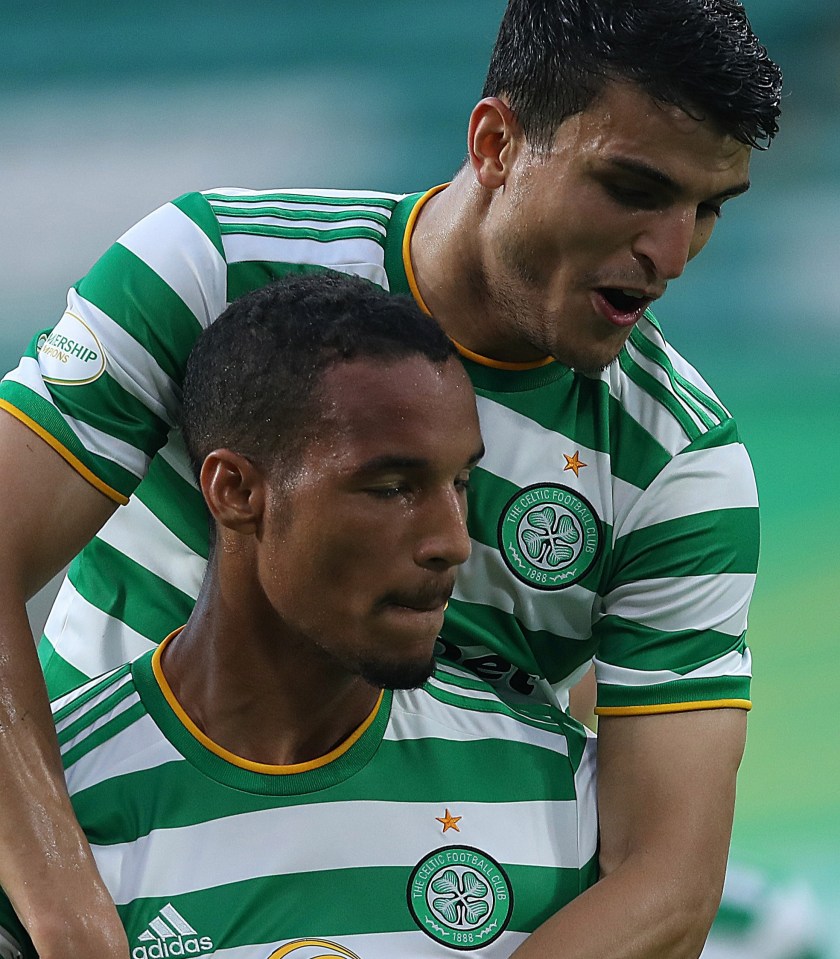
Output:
(549, 536)
(70, 355)
(460, 896)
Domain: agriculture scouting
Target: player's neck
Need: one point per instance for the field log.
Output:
(449, 266)
(254, 692)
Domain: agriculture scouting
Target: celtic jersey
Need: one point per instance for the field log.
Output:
(614, 516)
(448, 822)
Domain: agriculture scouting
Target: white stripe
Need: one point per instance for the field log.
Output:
(296, 191)
(88, 639)
(651, 415)
(319, 225)
(674, 603)
(730, 664)
(356, 255)
(91, 703)
(129, 363)
(485, 580)
(158, 549)
(682, 366)
(61, 701)
(139, 747)
(98, 723)
(537, 457)
(276, 842)
(586, 790)
(251, 199)
(28, 373)
(110, 447)
(426, 718)
(171, 244)
(697, 481)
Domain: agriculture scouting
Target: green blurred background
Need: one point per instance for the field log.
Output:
(111, 109)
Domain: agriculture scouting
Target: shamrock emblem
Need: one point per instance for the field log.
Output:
(547, 537)
(461, 900)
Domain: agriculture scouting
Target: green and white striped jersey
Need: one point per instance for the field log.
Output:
(448, 821)
(614, 516)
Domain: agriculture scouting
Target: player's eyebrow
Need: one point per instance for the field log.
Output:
(648, 172)
(381, 464)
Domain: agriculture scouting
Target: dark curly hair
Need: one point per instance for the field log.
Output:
(553, 57)
(252, 382)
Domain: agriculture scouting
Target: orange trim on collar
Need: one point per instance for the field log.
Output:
(232, 758)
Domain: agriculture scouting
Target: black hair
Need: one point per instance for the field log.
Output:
(552, 59)
(252, 379)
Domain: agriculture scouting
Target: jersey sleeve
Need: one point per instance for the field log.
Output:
(103, 386)
(671, 635)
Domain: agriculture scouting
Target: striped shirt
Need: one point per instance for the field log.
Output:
(614, 516)
(450, 820)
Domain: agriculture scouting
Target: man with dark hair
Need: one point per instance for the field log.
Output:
(614, 517)
(292, 771)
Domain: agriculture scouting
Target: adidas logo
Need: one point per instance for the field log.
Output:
(169, 934)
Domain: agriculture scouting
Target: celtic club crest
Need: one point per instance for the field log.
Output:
(549, 536)
(460, 896)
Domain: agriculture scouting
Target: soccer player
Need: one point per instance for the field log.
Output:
(253, 787)
(614, 516)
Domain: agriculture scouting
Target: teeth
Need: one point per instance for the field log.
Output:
(634, 293)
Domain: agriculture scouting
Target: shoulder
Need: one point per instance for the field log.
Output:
(455, 704)
(101, 727)
(652, 385)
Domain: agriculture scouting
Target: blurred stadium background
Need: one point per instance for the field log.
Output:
(111, 109)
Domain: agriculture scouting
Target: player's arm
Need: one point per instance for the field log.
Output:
(47, 513)
(666, 792)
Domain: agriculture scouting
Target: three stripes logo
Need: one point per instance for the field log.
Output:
(169, 934)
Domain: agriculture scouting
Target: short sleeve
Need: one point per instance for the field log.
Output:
(103, 386)
(671, 633)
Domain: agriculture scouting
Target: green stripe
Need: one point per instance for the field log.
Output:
(394, 264)
(657, 391)
(711, 689)
(701, 544)
(302, 232)
(106, 406)
(177, 504)
(724, 435)
(79, 701)
(196, 207)
(332, 216)
(383, 202)
(516, 653)
(489, 706)
(108, 703)
(59, 675)
(596, 420)
(104, 733)
(635, 646)
(248, 275)
(406, 771)
(136, 298)
(117, 585)
(337, 903)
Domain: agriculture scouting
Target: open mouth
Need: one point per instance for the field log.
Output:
(623, 300)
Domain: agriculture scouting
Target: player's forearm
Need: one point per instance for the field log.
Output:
(46, 867)
(641, 911)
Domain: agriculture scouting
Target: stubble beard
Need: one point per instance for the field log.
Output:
(396, 675)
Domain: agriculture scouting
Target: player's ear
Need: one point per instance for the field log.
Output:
(494, 137)
(234, 490)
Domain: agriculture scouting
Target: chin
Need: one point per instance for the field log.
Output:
(396, 675)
